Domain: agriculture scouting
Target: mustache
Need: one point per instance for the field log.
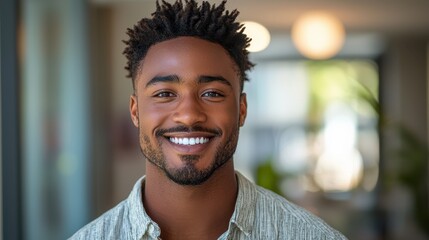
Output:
(160, 132)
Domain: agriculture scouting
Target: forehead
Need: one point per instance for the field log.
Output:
(188, 58)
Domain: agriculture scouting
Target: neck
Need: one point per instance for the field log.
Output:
(191, 212)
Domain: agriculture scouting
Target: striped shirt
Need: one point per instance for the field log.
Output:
(258, 214)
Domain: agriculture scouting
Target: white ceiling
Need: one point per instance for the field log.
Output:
(380, 16)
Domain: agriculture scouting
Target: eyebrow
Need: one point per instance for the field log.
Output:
(207, 79)
(176, 79)
(160, 79)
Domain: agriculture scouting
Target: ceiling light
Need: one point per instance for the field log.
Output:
(318, 35)
(259, 35)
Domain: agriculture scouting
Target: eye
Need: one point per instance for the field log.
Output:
(212, 94)
(164, 94)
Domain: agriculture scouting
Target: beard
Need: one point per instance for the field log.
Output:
(189, 174)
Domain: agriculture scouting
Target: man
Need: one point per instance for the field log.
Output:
(188, 64)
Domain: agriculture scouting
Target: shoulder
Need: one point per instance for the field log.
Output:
(289, 220)
(105, 226)
(128, 220)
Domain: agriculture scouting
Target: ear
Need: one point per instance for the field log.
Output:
(243, 109)
(134, 110)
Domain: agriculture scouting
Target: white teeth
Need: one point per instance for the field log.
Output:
(188, 141)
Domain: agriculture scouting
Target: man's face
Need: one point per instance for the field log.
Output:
(188, 108)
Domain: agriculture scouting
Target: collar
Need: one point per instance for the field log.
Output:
(242, 218)
(140, 221)
(244, 213)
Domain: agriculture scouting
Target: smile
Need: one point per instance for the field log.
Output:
(189, 141)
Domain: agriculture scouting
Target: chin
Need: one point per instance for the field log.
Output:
(189, 174)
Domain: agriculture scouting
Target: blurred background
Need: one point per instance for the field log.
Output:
(343, 133)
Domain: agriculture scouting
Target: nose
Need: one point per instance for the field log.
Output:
(189, 112)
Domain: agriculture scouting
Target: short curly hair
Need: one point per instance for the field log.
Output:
(208, 22)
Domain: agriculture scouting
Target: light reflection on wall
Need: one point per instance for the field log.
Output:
(339, 167)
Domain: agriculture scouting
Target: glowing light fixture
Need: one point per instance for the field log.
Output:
(259, 34)
(318, 35)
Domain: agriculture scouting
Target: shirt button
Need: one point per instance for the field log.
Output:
(151, 229)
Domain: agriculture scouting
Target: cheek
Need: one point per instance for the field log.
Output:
(226, 115)
(151, 116)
